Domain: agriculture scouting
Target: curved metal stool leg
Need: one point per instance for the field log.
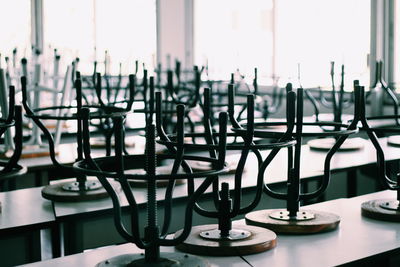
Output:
(226, 238)
(9, 168)
(82, 189)
(293, 219)
(380, 209)
(119, 166)
(336, 103)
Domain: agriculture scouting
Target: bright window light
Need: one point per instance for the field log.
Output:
(233, 34)
(127, 30)
(69, 28)
(86, 29)
(313, 33)
(397, 46)
(15, 29)
(310, 33)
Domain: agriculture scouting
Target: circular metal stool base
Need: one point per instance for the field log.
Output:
(14, 172)
(58, 192)
(89, 186)
(394, 140)
(374, 209)
(167, 260)
(234, 235)
(391, 205)
(284, 215)
(325, 144)
(279, 126)
(323, 221)
(200, 166)
(260, 240)
(160, 183)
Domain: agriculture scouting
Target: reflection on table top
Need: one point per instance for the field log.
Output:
(356, 238)
(91, 258)
(24, 208)
(67, 154)
(312, 163)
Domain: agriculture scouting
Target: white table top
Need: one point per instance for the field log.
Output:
(341, 160)
(64, 210)
(365, 156)
(67, 154)
(91, 258)
(24, 208)
(312, 163)
(356, 238)
(276, 173)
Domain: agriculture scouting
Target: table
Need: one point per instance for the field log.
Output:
(40, 167)
(358, 240)
(79, 223)
(91, 258)
(24, 213)
(341, 161)
(88, 217)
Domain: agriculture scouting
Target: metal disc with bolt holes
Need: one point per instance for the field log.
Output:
(394, 140)
(160, 183)
(205, 166)
(70, 192)
(259, 240)
(321, 221)
(381, 209)
(325, 144)
(166, 260)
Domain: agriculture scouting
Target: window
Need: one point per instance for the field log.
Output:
(15, 21)
(127, 30)
(86, 29)
(234, 34)
(313, 33)
(69, 28)
(272, 35)
(397, 45)
(276, 39)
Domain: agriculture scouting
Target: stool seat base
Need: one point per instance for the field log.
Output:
(260, 240)
(322, 222)
(373, 209)
(166, 260)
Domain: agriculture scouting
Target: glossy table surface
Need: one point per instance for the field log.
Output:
(312, 163)
(24, 208)
(356, 238)
(67, 153)
(91, 258)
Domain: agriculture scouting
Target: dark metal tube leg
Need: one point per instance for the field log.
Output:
(225, 206)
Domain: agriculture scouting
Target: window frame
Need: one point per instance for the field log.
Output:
(175, 37)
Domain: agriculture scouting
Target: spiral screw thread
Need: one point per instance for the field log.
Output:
(225, 206)
(151, 172)
(151, 231)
